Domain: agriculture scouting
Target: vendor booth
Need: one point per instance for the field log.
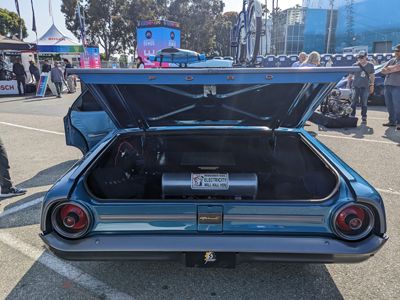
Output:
(10, 49)
(54, 42)
(55, 46)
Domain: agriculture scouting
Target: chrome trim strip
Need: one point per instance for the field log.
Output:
(148, 218)
(275, 218)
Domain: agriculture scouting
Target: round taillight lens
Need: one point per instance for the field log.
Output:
(353, 222)
(70, 220)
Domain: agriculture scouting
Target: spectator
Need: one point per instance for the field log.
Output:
(392, 88)
(71, 80)
(302, 59)
(140, 64)
(313, 60)
(6, 186)
(46, 67)
(67, 66)
(363, 84)
(329, 63)
(34, 71)
(20, 73)
(2, 68)
(57, 78)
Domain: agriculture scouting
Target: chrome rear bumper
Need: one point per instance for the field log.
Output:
(247, 248)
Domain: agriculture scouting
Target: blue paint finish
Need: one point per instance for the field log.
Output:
(212, 76)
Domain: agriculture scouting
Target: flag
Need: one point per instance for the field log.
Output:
(51, 11)
(17, 7)
(81, 24)
(33, 18)
(20, 20)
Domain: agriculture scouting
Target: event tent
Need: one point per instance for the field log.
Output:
(15, 45)
(54, 41)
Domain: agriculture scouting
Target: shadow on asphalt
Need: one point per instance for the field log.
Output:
(392, 134)
(358, 132)
(48, 176)
(24, 217)
(165, 280)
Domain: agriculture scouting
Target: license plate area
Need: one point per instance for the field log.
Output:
(210, 259)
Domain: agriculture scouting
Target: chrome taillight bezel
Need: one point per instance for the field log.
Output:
(365, 232)
(58, 227)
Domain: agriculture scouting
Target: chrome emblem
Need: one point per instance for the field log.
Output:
(209, 256)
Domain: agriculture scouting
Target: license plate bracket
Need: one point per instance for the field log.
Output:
(210, 259)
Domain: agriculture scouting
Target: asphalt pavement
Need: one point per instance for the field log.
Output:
(32, 131)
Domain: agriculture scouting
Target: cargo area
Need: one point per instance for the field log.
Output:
(207, 166)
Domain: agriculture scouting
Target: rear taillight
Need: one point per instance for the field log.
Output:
(353, 222)
(70, 220)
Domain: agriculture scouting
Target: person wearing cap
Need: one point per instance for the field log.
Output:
(363, 84)
(392, 88)
(302, 58)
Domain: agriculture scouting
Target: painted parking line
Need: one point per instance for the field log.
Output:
(21, 207)
(390, 191)
(32, 128)
(92, 284)
(357, 139)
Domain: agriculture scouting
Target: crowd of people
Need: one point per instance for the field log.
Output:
(57, 75)
(362, 82)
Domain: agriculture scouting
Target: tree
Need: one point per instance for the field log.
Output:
(223, 28)
(111, 23)
(107, 23)
(197, 19)
(10, 24)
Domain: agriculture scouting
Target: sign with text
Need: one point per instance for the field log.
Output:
(8, 87)
(90, 59)
(153, 37)
(42, 85)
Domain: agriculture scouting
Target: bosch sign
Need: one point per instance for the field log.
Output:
(8, 87)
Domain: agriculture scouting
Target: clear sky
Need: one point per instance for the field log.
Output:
(236, 5)
(44, 21)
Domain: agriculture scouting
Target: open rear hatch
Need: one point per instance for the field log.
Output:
(211, 134)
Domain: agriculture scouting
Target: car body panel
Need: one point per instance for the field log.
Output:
(86, 123)
(260, 230)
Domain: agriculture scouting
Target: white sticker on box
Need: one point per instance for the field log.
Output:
(209, 181)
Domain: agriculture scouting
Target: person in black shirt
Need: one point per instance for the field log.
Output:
(2, 69)
(67, 66)
(46, 68)
(20, 73)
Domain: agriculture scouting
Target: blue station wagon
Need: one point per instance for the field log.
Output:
(211, 167)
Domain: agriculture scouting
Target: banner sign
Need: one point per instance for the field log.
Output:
(158, 23)
(42, 85)
(153, 37)
(8, 87)
(90, 59)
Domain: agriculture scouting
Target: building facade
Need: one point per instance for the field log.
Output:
(370, 23)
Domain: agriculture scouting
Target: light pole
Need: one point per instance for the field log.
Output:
(328, 42)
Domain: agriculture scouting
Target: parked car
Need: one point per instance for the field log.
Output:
(209, 166)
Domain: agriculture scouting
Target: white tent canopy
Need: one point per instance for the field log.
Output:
(54, 41)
